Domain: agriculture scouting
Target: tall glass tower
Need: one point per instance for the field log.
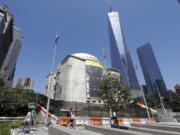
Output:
(151, 70)
(120, 56)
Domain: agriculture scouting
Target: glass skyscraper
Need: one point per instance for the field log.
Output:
(151, 70)
(120, 56)
(9, 66)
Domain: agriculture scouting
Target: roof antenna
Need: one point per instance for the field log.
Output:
(109, 4)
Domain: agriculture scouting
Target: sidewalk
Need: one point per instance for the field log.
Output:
(43, 130)
(40, 130)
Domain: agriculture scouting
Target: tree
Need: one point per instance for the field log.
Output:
(113, 92)
(172, 101)
(1, 82)
(14, 102)
(153, 101)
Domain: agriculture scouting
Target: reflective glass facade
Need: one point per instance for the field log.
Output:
(151, 70)
(120, 56)
(93, 76)
(2, 24)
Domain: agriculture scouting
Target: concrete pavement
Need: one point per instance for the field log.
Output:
(134, 129)
(43, 130)
(40, 130)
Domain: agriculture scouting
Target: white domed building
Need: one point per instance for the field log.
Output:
(78, 78)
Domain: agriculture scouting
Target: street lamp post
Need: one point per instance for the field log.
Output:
(51, 74)
(143, 96)
(145, 102)
(160, 97)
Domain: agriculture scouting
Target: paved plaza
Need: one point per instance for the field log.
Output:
(134, 129)
(43, 130)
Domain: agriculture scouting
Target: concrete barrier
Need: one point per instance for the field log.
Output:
(95, 120)
(105, 121)
(120, 121)
(158, 127)
(59, 130)
(113, 131)
(135, 120)
(153, 131)
(79, 122)
(63, 120)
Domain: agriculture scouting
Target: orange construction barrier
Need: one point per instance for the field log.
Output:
(151, 120)
(136, 120)
(63, 121)
(95, 120)
(120, 121)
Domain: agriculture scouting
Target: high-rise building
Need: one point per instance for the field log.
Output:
(120, 56)
(6, 32)
(177, 88)
(77, 79)
(151, 70)
(112, 71)
(2, 25)
(144, 88)
(25, 83)
(51, 85)
(8, 68)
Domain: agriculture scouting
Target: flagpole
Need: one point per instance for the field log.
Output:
(51, 77)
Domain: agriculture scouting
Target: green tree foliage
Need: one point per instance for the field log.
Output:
(171, 101)
(14, 102)
(153, 101)
(1, 82)
(114, 94)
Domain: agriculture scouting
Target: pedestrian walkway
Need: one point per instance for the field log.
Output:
(43, 130)
(40, 130)
(61, 130)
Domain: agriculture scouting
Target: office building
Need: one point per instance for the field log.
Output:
(120, 56)
(112, 71)
(2, 25)
(8, 68)
(144, 88)
(177, 88)
(25, 83)
(6, 32)
(78, 77)
(51, 85)
(151, 70)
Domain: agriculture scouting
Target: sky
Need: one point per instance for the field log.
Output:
(82, 25)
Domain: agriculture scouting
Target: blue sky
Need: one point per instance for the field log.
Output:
(83, 28)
